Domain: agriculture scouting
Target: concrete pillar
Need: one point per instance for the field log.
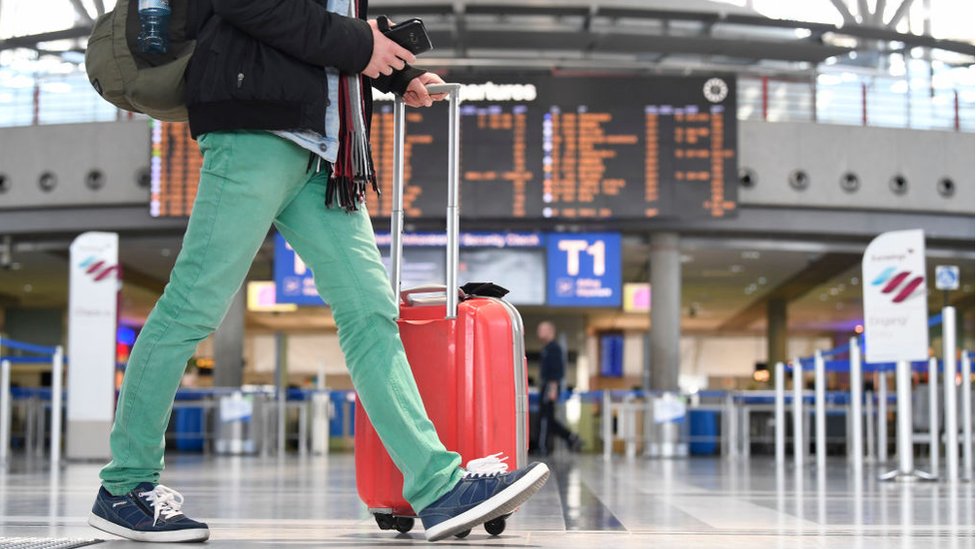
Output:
(229, 345)
(775, 331)
(665, 311)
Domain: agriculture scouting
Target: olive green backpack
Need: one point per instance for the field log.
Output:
(136, 81)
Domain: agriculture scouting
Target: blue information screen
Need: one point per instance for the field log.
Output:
(584, 270)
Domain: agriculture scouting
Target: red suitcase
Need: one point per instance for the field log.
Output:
(469, 366)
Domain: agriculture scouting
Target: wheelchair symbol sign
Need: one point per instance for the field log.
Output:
(947, 277)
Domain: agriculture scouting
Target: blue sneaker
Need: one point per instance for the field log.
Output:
(481, 497)
(147, 513)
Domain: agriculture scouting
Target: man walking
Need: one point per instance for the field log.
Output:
(278, 93)
(552, 372)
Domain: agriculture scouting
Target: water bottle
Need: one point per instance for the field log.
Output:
(154, 19)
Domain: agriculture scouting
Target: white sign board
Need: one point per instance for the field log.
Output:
(895, 304)
(92, 326)
(947, 277)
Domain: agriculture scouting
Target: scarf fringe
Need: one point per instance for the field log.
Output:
(353, 168)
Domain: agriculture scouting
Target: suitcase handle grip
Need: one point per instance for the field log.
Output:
(453, 190)
(407, 296)
(442, 88)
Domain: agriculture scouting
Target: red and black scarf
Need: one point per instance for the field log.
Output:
(353, 168)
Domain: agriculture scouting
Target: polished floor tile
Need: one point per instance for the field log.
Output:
(588, 503)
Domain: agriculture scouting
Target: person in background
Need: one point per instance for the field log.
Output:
(552, 372)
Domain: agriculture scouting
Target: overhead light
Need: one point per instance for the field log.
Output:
(802, 33)
(28, 288)
(736, 268)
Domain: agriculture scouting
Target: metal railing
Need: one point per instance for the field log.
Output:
(851, 100)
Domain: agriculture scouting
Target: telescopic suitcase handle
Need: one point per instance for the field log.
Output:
(453, 92)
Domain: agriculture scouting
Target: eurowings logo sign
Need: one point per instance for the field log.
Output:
(93, 298)
(894, 289)
(900, 286)
(97, 269)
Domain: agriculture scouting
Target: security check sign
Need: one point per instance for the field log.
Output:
(584, 270)
(895, 304)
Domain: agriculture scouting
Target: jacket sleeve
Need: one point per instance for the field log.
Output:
(398, 81)
(303, 29)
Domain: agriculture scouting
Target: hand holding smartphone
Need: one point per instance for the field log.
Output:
(410, 34)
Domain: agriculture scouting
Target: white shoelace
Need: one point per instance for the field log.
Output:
(487, 466)
(165, 501)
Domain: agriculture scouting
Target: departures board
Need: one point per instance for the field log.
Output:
(541, 147)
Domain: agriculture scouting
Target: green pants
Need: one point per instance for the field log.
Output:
(250, 180)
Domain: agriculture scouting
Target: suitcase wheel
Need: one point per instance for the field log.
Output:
(385, 521)
(404, 524)
(462, 535)
(495, 526)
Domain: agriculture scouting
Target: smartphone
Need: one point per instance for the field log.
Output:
(411, 35)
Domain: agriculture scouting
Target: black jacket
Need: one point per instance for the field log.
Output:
(258, 64)
(551, 364)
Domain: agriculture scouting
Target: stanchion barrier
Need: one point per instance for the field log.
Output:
(798, 449)
(27, 359)
(819, 410)
(949, 384)
(882, 417)
(869, 428)
(732, 421)
(53, 356)
(607, 421)
(906, 457)
(934, 416)
(5, 408)
(28, 347)
(780, 414)
(857, 397)
(57, 381)
(967, 417)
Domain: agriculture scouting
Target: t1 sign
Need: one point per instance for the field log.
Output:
(584, 270)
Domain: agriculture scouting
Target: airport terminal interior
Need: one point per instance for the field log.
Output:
(743, 229)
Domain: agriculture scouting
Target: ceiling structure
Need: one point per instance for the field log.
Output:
(617, 34)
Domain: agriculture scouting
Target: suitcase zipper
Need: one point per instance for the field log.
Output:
(240, 80)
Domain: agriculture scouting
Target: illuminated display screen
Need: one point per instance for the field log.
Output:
(539, 147)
